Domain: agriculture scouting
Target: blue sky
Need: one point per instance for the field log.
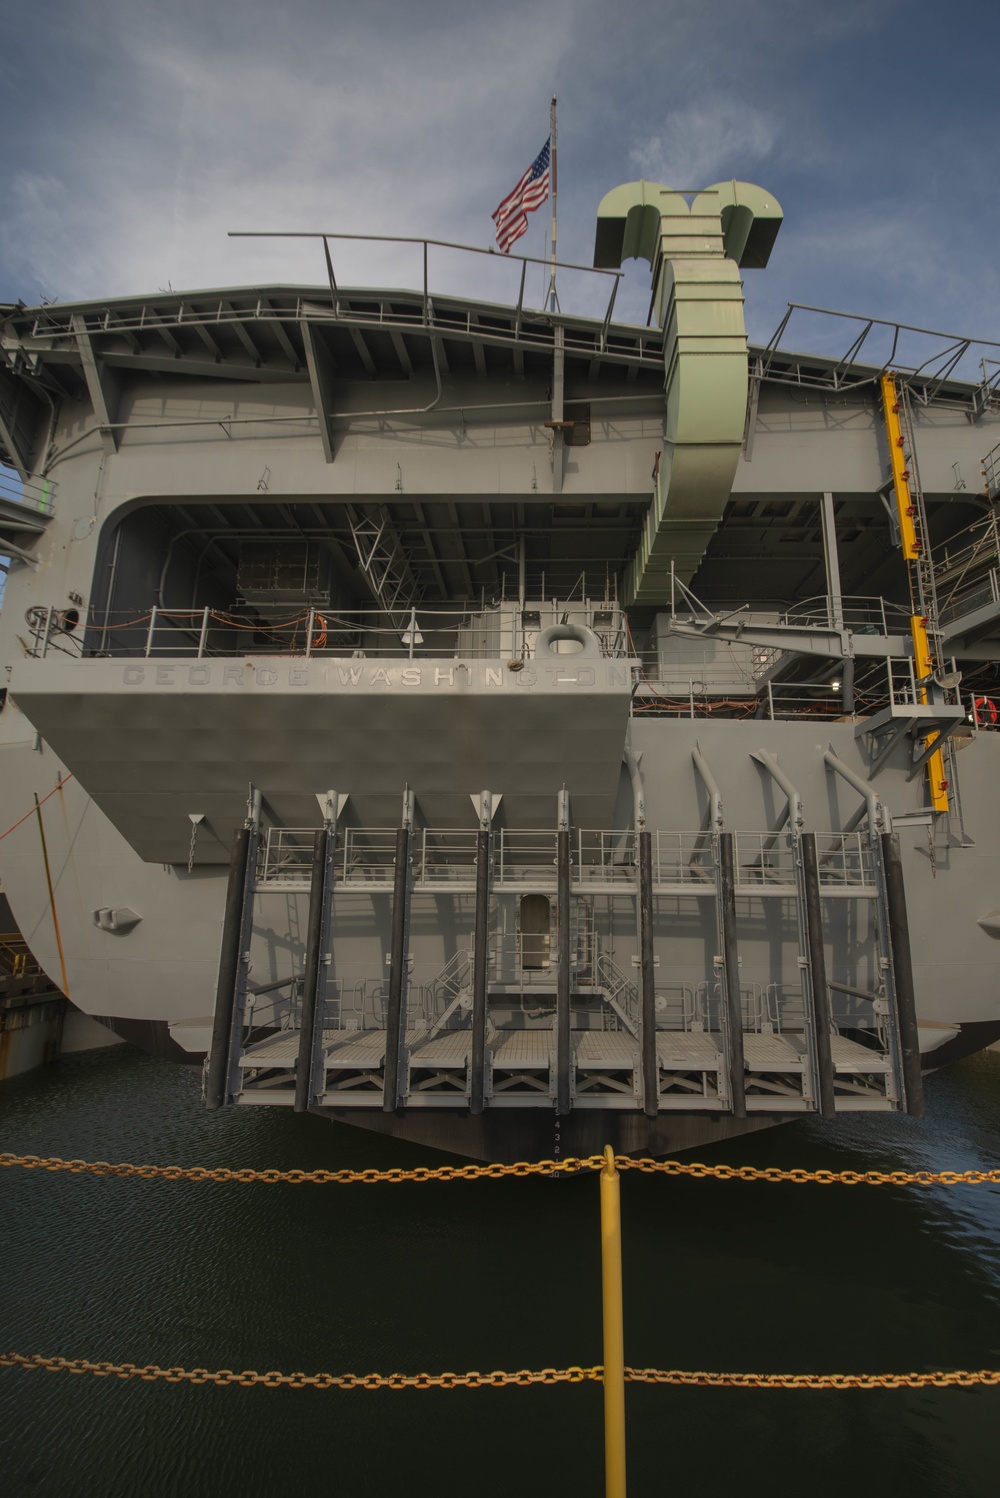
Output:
(136, 134)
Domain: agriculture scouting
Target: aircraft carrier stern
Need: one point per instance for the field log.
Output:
(498, 725)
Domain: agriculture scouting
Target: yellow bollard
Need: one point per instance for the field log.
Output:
(614, 1338)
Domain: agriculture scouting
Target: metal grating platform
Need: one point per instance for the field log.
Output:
(686, 1048)
(853, 1059)
(524, 1050)
(606, 1067)
(781, 1053)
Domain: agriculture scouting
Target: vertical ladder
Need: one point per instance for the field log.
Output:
(912, 516)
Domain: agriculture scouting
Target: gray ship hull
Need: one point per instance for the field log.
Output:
(438, 728)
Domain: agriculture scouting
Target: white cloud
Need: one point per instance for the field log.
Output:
(699, 143)
(137, 134)
(406, 131)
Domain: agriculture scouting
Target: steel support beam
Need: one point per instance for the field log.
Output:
(23, 417)
(216, 1090)
(480, 968)
(217, 1084)
(835, 602)
(102, 391)
(273, 323)
(199, 368)
(236, 326)
(731, 973)
(563, 1048)
(395, 1019)
(817, 973)
(558, 397)
(11, 550)
(902, 968)
(311, 1031)
(647, 978)
(320, 366)
(792, 813)
(872, 806)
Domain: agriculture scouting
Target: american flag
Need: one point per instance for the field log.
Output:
(530, 193)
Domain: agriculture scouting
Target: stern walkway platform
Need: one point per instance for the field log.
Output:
(548, 1019)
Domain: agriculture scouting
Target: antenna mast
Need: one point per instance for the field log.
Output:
(552, 298)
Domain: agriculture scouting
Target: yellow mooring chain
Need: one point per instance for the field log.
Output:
(938, 1379)
(249, 1377)
(570, 1166)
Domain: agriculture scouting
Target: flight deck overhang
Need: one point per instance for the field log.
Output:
(261, 334)
(156, 743)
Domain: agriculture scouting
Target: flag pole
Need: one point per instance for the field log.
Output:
(553, 300)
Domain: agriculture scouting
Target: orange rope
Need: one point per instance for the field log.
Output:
(52, 894)
(42, 802)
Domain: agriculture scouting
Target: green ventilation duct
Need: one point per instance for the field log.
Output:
(695, 254)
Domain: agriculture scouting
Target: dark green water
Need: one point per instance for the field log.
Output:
(485, 1275)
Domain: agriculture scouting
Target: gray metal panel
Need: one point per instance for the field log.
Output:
(149, 740)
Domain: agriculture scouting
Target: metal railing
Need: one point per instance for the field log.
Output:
(677, 1007)
(34, 494)
(902, 677)
(706, 677)
(16, 958)
(366, 856)
(681, 858)
(768, 858)
(429, 316)
(966, 553)
(863, 613)
(764, 859)
(492, 633)
(524, 858)
(935, 358)
(978, 595)
(991, 470)
(605, 857)
(785, 705)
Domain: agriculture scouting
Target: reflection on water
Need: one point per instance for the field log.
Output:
(485, 1275)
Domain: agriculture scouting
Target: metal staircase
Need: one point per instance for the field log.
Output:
(619, 993)
(449, 993)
